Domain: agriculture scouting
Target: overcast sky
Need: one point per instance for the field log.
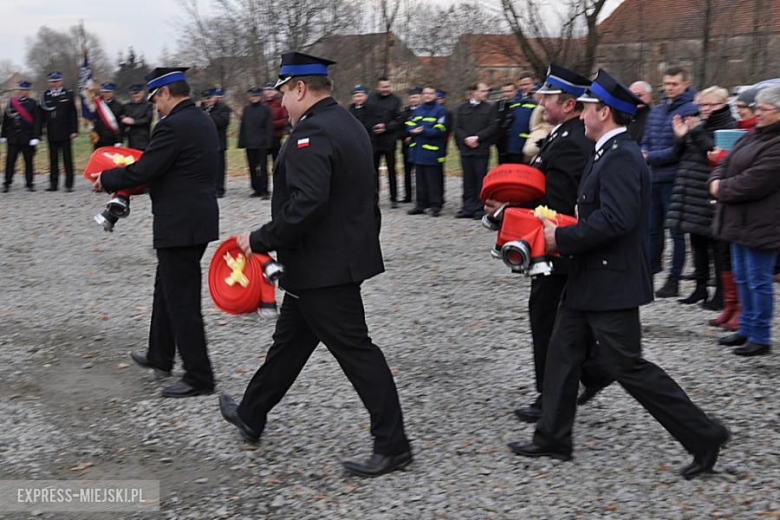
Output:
(146, 25)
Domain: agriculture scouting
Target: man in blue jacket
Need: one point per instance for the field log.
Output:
(658, 150)
(427, 126)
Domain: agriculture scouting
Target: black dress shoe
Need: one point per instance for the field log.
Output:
(529, 414)
(435, 212)
(255, 194)
(229, 409)
(140, 359)
(698, 295)
(533, 450)
(415, 211)
(589, 393)
(463, 214)
(478, 215)
(378, 464)
(732, 340)
(406, 201)
(30, 188)
(69, 189)
(704, 462)
(752, 349)
(6, 188)
(393, 204)
(182, 389)
(51, 188)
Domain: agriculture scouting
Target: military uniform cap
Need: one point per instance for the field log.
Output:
(136, 88)
(441, 94)
(209, 92)
(25, 85)
(219, 92)
(108, 87)
(54, 76)
(561, 80)
(359, 88)
(254, 91)
(162, 76)
(300, 64)
(269, 86)
(606, 89)
(415, 91)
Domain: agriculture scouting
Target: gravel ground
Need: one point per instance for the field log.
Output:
(453, 325)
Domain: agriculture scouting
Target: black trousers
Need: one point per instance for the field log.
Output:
(704, 248)
(276, 146)
(258, 157)
(408, 169)
(176, 316)
(55, 147)
(474, 171)
(429, 185)
(392, 182)
(618, 334)
(543, 303)
(514, 158)
(335, 317)
(10, 163)
(221, 173)
(723, 251)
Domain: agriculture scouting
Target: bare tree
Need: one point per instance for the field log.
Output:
(545, 42)
(51, 50)
(8, 68)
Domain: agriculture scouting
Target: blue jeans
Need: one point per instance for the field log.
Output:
(753, 272)
(659, 206)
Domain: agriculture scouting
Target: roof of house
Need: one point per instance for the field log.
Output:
(637, 20)
(494, 50)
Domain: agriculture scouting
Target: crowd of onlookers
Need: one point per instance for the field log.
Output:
(721, 204)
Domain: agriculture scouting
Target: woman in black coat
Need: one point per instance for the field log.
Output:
(691, 210)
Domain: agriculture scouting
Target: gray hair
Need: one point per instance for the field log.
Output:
(770, 96)
(644, 85)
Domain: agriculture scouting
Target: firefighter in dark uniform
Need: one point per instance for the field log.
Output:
(325, 230)
(179, 167)
(138, 119)
(415, 100)
(562, 158)
(220, 114)
(21, 129)
(609, 279)
(256, 135)
(362, 111)
(61, 122)
(108, 124)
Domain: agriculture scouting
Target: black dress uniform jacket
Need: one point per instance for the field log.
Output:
(139, 133)
(105, 134)
(220, 114)
(325, 219)
(365, 114)
(18, 131)
(257, 127)
(179, 167)
(59, 115)
(610, 267)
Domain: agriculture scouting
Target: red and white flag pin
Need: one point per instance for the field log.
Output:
(302, 143)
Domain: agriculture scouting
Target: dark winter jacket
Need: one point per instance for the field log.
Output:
(658, 140)
(691, 210)
(520, 128)
(279, 116)
(220, 114)
(387, 110)
(140, 132)
(257, 128)
(365, 114)
(748, 210)
(638, 125)
(479, 120)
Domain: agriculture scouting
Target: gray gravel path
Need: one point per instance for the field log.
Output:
(453, 325)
